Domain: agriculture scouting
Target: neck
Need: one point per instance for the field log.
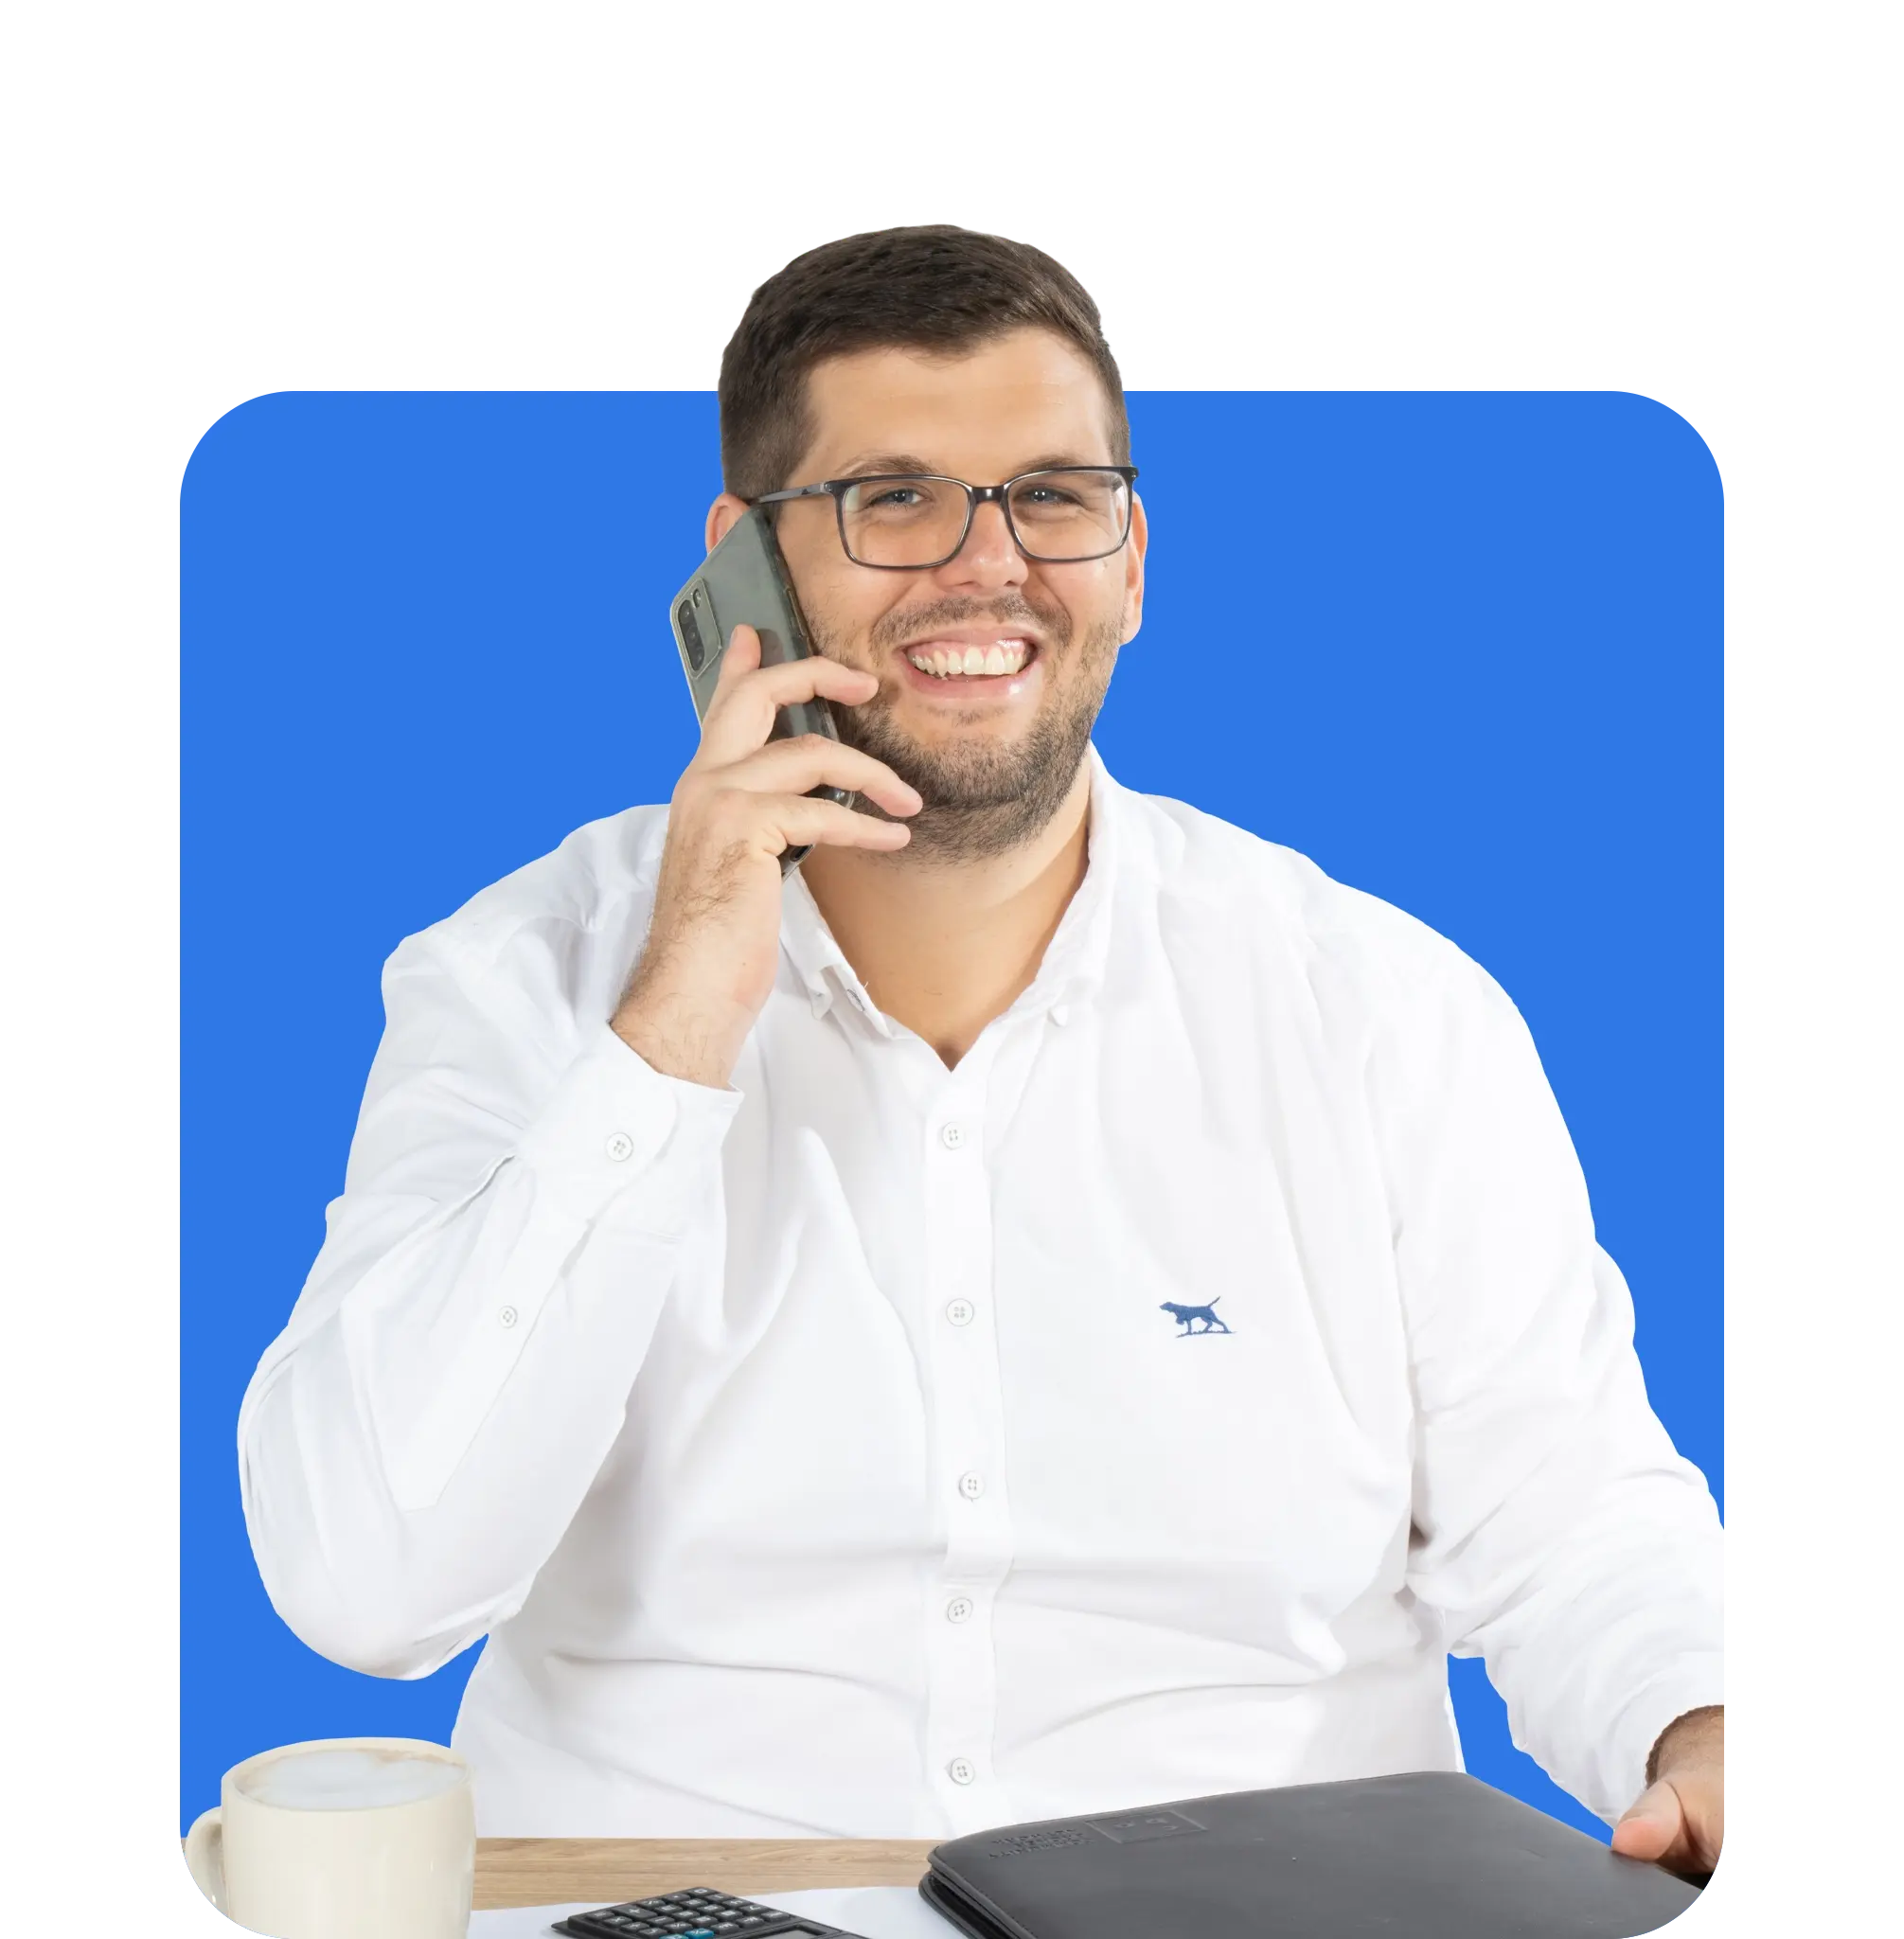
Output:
(945, 947)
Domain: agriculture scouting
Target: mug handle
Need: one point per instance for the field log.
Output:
(205, 1855)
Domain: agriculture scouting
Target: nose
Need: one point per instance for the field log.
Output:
(990, 557)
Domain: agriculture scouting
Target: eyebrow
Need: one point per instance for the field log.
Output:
(880, 463)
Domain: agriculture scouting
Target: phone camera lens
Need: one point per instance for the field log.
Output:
(691, 635)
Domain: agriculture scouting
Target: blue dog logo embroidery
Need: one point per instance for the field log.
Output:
(1187, 1317)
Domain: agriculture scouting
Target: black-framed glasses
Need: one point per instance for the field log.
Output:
(911, 520)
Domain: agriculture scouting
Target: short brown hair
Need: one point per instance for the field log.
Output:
(934, 288)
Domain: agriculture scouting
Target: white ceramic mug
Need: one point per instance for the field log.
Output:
(299, 1852)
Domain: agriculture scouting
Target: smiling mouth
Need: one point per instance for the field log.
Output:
(957, 660)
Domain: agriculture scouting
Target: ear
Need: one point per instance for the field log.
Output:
(723, 516)
(1133, 571)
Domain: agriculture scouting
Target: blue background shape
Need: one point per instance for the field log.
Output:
(1466, 654)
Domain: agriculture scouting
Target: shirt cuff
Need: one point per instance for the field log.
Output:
(616, 1134)
(1691, 1684)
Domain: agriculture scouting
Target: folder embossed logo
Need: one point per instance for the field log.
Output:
(1134, 1826)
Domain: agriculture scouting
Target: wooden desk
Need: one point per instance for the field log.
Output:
(563, 1871)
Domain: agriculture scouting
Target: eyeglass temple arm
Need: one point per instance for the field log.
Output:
(798, 492)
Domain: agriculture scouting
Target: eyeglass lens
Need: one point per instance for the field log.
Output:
(1056, 516)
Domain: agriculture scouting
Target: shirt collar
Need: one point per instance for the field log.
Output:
(1074, 960)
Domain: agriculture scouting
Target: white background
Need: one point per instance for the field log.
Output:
(204, 203)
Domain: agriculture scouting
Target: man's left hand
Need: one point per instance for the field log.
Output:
(1678, 1820)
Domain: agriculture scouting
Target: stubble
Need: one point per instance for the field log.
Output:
(985, 796)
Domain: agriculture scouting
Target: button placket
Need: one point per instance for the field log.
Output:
(968, 1452)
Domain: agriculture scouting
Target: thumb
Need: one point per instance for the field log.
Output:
(1651, 1825)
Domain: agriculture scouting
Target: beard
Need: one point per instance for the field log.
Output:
(983, 797)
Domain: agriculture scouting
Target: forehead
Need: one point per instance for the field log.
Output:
(1023, 397)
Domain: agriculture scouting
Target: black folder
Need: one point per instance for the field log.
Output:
(1429, 1855)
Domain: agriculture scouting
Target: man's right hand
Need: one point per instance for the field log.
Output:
(714, 943)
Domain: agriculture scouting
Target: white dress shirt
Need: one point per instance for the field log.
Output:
(823, 1455)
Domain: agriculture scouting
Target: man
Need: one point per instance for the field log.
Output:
(1055, 1304)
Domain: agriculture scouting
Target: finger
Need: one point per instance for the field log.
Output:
(740, 658)
(740, 716)
(1701, 1798)
(1653, 1826)
(811, 760)
(804, 822)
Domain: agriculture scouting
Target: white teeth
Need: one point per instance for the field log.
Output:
(951, 662)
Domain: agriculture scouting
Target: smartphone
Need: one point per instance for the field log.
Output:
(744, 581)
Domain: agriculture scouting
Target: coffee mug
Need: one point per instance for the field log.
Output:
(343, 1838)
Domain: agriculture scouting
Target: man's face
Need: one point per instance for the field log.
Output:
(994, 755)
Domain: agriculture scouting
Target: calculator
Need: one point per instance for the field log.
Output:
(698, 1913)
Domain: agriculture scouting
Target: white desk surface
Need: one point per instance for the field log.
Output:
(875, 1912)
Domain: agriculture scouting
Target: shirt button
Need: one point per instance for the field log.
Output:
(960, 1312)
(960, 1770)
(959, 1609)
(507, 1316)
(952, 1136)
(971, 1485)
(619, 1146)
(1060, 1014)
